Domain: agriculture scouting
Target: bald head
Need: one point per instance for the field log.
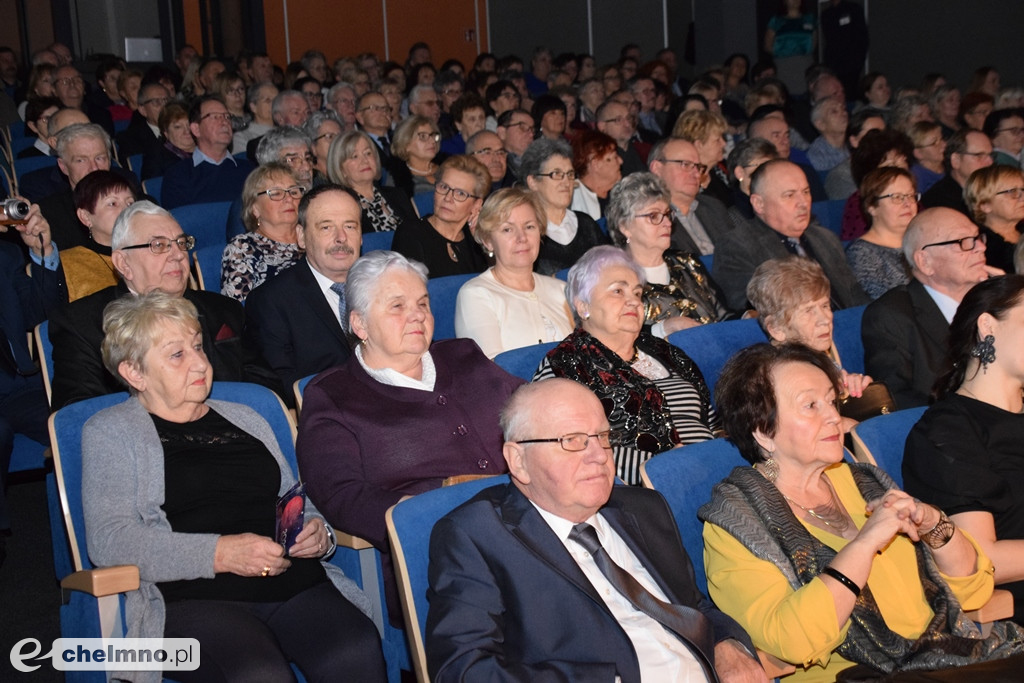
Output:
(941, 246)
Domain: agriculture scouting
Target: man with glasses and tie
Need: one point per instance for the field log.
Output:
(905, 331)
(967, 150)
(211, 174)
(562, 575)
(486, 147)
(697, 224)
(143, 133)
(149, 251)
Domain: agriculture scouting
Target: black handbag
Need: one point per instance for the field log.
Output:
(876, 400)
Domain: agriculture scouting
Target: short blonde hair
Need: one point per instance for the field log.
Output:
(499, 206)
(981, 187)
(254, 186)
(405, 132)
(341, 149)
(699, 125)
(130, 326)
(779, 286)
(470, 166)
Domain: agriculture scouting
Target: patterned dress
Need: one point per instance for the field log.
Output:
(252, 258)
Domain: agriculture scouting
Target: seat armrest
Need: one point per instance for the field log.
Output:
(773, 666)
(998, 607)
(349, 541)
(103, 581)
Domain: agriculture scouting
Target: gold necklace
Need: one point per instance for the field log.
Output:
(830, 514)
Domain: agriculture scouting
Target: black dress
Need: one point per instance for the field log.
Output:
(965, 455)
(554, 257)
(417, 239)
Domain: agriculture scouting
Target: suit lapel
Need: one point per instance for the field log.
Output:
(318, 304)
(930, 318)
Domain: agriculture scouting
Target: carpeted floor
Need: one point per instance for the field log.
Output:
(29, 594)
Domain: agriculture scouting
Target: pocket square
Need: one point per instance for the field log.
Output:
(225, 332)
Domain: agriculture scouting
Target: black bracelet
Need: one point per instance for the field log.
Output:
(843, 579)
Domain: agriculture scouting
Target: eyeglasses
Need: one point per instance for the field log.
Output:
(277, 193)
(443, 189)
(1014, 192)
(70, 81)
(313, 95)
(578, 441)
(687, 165)
(934, 143)
(451, 92)
(235, 91)
(966, 243)
(216, 116)
(1014, 130)
(520, 124)
(621, 119)
(902, 198)
(655, 217)
(377, 108)
(161, 101)
(329, 136)
(294, 160)
(490, 152)
(559, 175)
(162, 245)
(343, 100)
(427, 137)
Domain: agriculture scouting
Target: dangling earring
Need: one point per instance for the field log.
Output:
(985, 351)
(768, 467)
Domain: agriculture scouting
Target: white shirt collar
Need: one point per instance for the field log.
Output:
(198, 157)
(396, 379)
(947, 304)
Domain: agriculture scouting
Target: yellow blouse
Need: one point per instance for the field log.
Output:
(86, 272)
(801, 626)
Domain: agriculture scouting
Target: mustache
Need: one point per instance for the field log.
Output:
(341, 249)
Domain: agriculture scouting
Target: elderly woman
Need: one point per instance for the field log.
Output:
(706, 130)
(99, 199)
(508, 305)
(353, 161)
(653, 393)
(231, 88)
(270, 200)
(598, 166)
(995, 198)
(414, 145)
(929, 149)
(826, 564)
(963, 454)
(176, 138)
(678, 292)
(323, 127)
(547, 166)
(443, 241)
(187, 489)
(889, 202)
(260, 102)
(357, 456)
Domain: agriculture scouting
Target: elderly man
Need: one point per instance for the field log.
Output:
(303, 340)
(261, 67)
(526, 579)
(341, 99)
(143, 133)
(828, 150)
(289, 108)
(487, 148)
(69, 87)
(966, 151)
(515, 130)
(423, 101)
(211, 174)
(615, 120)
(905, 331)
(374, 118)
(781, 200)
(697, 224)
(149, 252)
(769, 123)
(290, 146)
(43, 182)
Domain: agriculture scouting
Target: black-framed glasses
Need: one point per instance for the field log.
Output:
(655, 217)
(376, 108)
(162, 245)
(277, 193)
(1012, 130)
(578, 441)
(975, 154)
(155, 100)
(621, 119)
(965, 243)
(902, 198)
(687, 165)
(216, 116)
(458, 195)
(329, 136)
(559, 175)
(490, 151)
(1014, 192)
(520, 124)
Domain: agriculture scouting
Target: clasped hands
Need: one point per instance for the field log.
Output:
(254, 555)
(897, 512)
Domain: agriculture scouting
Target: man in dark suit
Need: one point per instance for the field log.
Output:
(967, 150)
(516, 593)
(697, 226)
(143, 132)
(42, 182)
(149, 252)
(618, 122)
(781, 199)
(294, 318)
(905, 331)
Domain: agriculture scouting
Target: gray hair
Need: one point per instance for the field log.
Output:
(337, 88)
(474, 140)
(254, 91)
(630, 195)
(280, 101)
(516, 416)
(583, 276)
(414, 94)
(365, 274)
(780, 286)
(538, 153)
(131, 323)
(312, 126)
(77, 131)
(748, 150)
(277, 139)
(123, 233)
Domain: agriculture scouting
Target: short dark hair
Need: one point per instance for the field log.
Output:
(874, 147)
(994, 120)
(469, 100)
(94, 186)
(195, 110)
(37, 105)
(745, 392)
(316, 192)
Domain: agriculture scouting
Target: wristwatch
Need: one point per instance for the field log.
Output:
(940, 534)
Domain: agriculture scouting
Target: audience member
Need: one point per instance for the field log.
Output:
(176, 142)
(995, 199)
(966, 151)
(598, 166)
(889, 201)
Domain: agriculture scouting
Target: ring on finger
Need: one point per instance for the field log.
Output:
(265, 572)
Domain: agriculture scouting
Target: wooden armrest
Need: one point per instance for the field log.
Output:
(104, 581)
(463, 478)
(998, 607)
(349, 541)
(773, 666)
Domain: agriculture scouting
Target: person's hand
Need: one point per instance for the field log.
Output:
(679, 322)
(312, 541)
(734, 664)
(895, 513)
(854, 383)
(994, 272)
(249, 555)
(35, 232)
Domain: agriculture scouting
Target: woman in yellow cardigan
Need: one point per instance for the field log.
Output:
(825, 564)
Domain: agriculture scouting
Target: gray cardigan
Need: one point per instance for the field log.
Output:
(122, 491)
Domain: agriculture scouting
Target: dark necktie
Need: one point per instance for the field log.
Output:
(688, 624)
(339, 289)
(794, 246)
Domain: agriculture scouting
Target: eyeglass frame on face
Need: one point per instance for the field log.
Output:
(974, 239)
(293, 160)
(424, 136)
(160, 100)
(443, 189)
(652, 215)
(518, 124)
(900, 198)
(1013, 130)
(276, 194)
(162, 245)
(216, 116)
(557, 175)
(375, 107)
(688, 165)
(630, 118)
(490, 152)
(1015, 192)
(69, 80)
(606, 435)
